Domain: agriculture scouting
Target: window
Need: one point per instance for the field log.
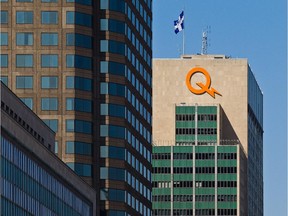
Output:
(49, 1)
(49, 39)
(24, 39)
(49, 82)
(77, 61)
(3, 38)
(49, 17)
(80, 83)
(83, 2)
(74, 147)
(112, 68)
(116, 195)
(52, 123)
(114, 5)
(3, 60)
(81, 169)
(79, 40)
(4, 17)
(112, 25)
(24, 0)
(56, 147)
(112, 173)
(28, 102)
(49, 60)
(112, 152)
(24, 82)
(49, 104)
(24, 60)
(77, 104)
(4, 79)
(79, 126)
(112, 46)
(112, 131)
(112, 110)
(78, 18)
(112, 89)
(24, 17)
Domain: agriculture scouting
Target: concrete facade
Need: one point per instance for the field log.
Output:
(240, 119)
(228, 76)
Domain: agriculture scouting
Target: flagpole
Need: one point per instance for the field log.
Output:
(184, 31)
(184, 41)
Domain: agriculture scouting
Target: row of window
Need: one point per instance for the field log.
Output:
(81, 169)
(139, 86)
(198, 184)
(138, 166)
(138, 205)
(139, 26)
(138, 186)
(139, 146)
(51, 82)
(205, 170)
(48, 61)
(140, 108)
(137, 124)
(125, 197)
(189, 212)
(36, 182)
(191, 117)
(180, 170)
(119, 69)
(198, 198)
(119, 174)
(119, 153)
(72, 125)
(198, 170)
(199, 156)
(48, 39)
(49, 18)
(227, 169)
(192, 131)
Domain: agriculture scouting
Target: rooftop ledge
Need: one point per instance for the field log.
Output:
(199, 56)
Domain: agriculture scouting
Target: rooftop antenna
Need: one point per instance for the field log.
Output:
(205, 44)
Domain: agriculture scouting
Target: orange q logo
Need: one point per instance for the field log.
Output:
(203, 88)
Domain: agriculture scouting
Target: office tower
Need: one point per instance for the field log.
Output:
(34, 181)
(85, 68)
(207, 136)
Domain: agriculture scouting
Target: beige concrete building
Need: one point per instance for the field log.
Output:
(186, 93)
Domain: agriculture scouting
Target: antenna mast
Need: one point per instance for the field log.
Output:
(205, 40)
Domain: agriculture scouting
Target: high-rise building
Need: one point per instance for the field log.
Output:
(85, 68)
(34, 181)
(207, 136)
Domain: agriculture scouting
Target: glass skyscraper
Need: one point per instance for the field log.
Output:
(85, 68)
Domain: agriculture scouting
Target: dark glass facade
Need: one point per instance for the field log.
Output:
(29, 189)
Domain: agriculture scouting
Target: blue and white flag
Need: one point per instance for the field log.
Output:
(179, 24)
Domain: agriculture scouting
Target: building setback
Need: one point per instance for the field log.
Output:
(34, 181)
(85, 68)
(208, 137)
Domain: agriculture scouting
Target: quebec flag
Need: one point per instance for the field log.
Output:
(179, 24)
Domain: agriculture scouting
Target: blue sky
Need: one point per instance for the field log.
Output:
(256, 30)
